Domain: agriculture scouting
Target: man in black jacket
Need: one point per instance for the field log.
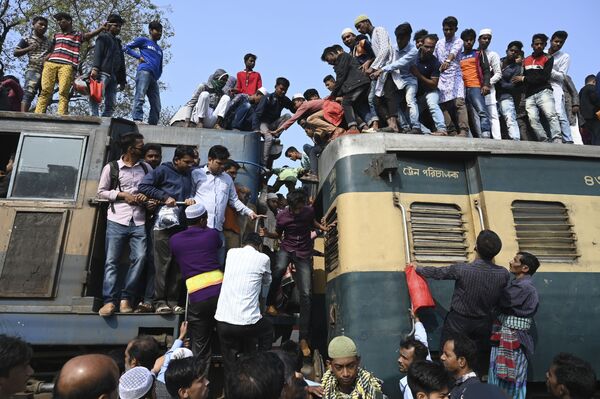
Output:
(109, 66)
(589, 105)
(351, 83)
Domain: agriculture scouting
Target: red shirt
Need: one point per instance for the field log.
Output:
(248, 82)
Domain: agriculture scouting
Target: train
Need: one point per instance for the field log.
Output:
(399, 199)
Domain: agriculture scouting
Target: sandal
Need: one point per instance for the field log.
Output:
(164, 309)
(144, 308)
(178, 309)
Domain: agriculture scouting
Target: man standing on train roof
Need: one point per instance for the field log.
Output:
(477, 290)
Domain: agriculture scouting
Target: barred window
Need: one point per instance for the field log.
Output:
(544, 229)
(332, 260)
(438, 234)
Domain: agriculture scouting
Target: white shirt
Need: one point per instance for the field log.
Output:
(420, 335)
(496, 68)
(247, 271)
(560, 69)
(384, 54)
(215, 192)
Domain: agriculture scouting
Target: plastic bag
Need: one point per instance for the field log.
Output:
(96, 89)
(420, 296)
(167, 217)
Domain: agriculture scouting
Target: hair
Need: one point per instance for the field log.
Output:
(561, 34)
(589, 78)
(328, 78)
(280, 196)
(230, 163)
(420, 34)
(296, 197)
(324, 54)
(39, 18)
(145, 350)
(183, 150)
(218, 152)
(258, 376)
(421, 350)
(155, 25)
(289, 364)
(293, 349)
(289, 151)
(282, 81)
(468, 34)
(403, 30)
(250, 55)
(181, 373)
(464, 347)
(13, 352)
(488, 244)
(431, 36)
(151, 147)
(515, 43)
(337, 48)
(530, 260)
(128, 140)
(450, 21)
(540, 36)
(576, 374)
(427, 377)
(253, 239)
(310, 93)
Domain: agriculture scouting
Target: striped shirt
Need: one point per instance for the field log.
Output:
(66, 48)
(478, 287)
(38, 54)
(247, 272)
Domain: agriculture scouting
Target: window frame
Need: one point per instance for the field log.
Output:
(23, 136)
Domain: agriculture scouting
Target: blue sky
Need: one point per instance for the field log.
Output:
(288, 37)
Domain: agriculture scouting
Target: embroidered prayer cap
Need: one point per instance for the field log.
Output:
(342, 346)
(360, 18)
(488, 391)
(298, 96)
(347, 30)
(486, 31)
(135, 383)
(181, 353)
(263, 91)
(195, 211)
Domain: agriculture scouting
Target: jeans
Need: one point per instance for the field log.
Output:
(116, 236)
(201, 319)
(388, 102)
(146, 85)
(242, 119)
(236, 340)
(455, 113)
(265, 129)
(148, 290)
(543, 100)
(509, 113)
(476, 100)
(109, 95)
(303, 278)
(313, 152)
(221, 250)
(432, 100)
(356, 101)
(563, 119)
(167, 277)
(31, 85)
(413, 109)
(372, 115)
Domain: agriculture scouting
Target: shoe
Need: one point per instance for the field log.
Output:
(304, 348)
(125, 306)
(271, 311)
(415, 130)
(218, 127)
(144, 308)
(386, 130)
(164, 309)
(557, 140)
(370, 130)
(107, 310)
(178, 309)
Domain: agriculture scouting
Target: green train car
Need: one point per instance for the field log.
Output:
(403, 198)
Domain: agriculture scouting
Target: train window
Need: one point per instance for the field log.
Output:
(438, 234)
(544, 229)
(48, 167)
(332, 260)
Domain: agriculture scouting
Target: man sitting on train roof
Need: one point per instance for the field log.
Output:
(207, 106)
(345, 377)
(477, 290)
(15, 370)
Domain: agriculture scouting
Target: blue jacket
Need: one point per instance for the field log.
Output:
(150, 51)
(166, 181)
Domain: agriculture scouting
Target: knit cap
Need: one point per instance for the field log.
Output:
(342, 346)
(360, 18)
(135, 383)
(347, 30)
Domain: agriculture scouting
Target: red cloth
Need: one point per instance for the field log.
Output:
(333, 112)
(248, 82)
(420, 296)
(15, 94)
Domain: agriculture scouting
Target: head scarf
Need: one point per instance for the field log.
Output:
(214, 81)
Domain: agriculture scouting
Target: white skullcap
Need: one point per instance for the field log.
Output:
(263, 91)
(195, 211)
(486, 31)
(135, 383)
(181, 353)
(298, 96)
(347, 30)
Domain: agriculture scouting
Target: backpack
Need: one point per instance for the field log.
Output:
(114, 178)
